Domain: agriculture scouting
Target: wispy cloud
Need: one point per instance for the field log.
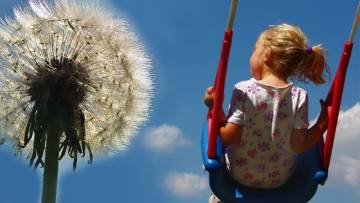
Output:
(165, 138)
(345, 164)
(186, 184)
(349, 169)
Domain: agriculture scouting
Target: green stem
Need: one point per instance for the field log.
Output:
(51, 162)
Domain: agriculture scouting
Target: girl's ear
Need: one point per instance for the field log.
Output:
(267, 54)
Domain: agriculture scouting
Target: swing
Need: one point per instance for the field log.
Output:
(312, 165)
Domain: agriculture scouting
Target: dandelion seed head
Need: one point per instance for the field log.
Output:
(74, 57)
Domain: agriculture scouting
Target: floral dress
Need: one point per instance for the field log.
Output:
(262, 156)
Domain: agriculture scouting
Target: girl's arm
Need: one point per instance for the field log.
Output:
(228, 131)
(303, 139)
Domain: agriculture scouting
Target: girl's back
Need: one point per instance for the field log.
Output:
(262, 156)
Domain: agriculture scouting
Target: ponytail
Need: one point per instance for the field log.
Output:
(314, 65)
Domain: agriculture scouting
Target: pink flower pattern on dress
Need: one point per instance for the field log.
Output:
(280, 144)
(283, 103)
(257, 132)
(269, 116)
(252, 153)
(253, 88)
(274, 174)
(241, 162)
(248, 176)
(276, 134)
(262, 106)
(294, 91)
(264, 146)
(275, 157)
(250, 123)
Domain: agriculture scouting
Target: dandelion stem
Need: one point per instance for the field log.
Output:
(51, 162)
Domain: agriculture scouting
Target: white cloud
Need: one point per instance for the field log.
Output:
(345, 163)
(351, 170)
(186, 184)
(165, 138)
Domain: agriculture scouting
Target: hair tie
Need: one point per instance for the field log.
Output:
(309, 50)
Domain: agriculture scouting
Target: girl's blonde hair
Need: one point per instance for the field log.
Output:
(290, 55)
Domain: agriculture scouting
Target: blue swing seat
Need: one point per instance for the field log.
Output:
(299, 189)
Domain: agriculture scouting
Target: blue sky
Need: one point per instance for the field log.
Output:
(183, 38)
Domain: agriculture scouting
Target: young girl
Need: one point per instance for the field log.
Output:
(267, 123)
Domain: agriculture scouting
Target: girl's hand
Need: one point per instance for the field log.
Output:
(209, 97)
(323, 118)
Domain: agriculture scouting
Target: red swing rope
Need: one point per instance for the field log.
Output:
(219, 84)
(333, 99)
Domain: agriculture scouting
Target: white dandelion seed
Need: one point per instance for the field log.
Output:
(73, 63)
